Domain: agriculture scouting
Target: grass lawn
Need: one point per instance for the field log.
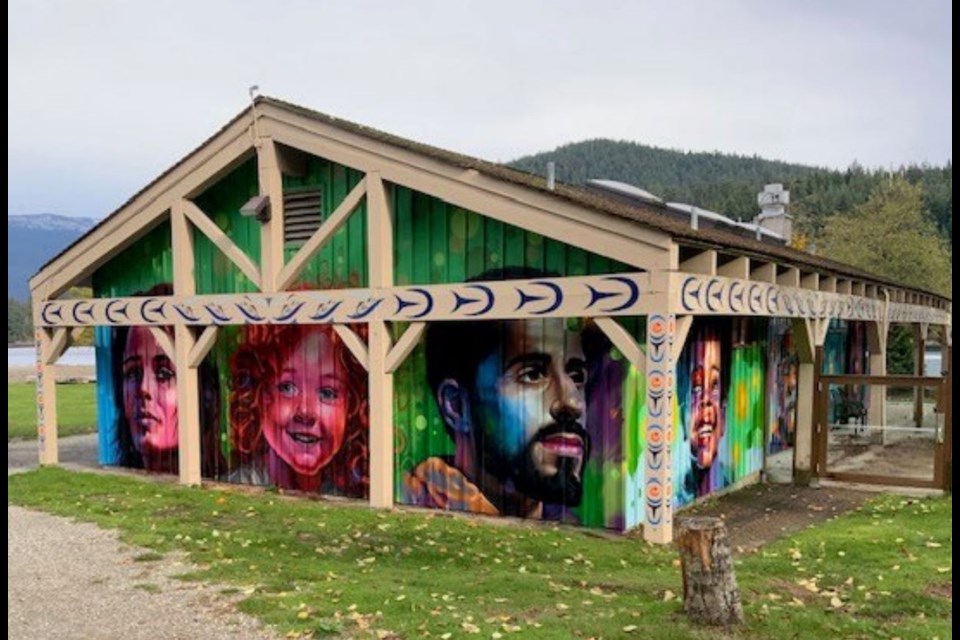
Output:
(313, 568)
(76, 409)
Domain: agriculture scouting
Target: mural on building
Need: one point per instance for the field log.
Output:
(719, 424)
(532, 414)
(528, 418)
(145, 380)
(782, 372)
(136, 393)
(298, 411)
(512, 396)
(845, 352)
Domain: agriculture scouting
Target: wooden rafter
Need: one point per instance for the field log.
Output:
(405, 345)
(202, 346)
(223, 242)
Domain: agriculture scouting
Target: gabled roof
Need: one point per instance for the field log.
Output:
(650, 215)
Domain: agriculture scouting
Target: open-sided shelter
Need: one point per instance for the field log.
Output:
(309, 303)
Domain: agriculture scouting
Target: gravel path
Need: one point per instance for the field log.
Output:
(73, 580)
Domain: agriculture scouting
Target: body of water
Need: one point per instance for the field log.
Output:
(27, 356)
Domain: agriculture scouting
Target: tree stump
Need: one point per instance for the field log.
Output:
(710, 594)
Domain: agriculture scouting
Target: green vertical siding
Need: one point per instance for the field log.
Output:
(145, 263)
(214, 272)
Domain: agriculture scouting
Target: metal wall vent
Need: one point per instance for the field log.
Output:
(302, 214)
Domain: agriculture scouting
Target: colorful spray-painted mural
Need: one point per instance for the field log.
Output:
(536, 418)
(298, 411)
(286, 406)
(531, 411)
(127, 358)
(720, 390)
(845, 351)
(782, 372)
(525, 418)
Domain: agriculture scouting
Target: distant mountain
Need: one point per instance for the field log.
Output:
(32, 241)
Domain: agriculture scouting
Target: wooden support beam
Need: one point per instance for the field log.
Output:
(788, 276)
(920, 332)
(859, 289)
(58, 343)
(763, 272)
(804, 339)
(877, 346)
(235, 254)
(623, 341)
(163, 339)
(354, 343)
(405, 345)
(828, 284)
(684, 323)
(539, 212)
(822, 326)
(330, 226)
(226, 151)
(188, 381)
(739, 267)
(704, 262)
(380, 220)
(810, 281)
(202, 346)
(47, 438)
(271, 232)
(188, 408)
(844, 286)
(803, 438)
(660, 373)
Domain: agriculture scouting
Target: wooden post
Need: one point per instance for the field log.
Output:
(803, 336)
(658, 520)
(188, 403)
(710, 593)
(380, 252)
(820, 433)
(877, 343)
(947, 355)
(46, 402)
(271, 232)
(920, 344)
(188, 385)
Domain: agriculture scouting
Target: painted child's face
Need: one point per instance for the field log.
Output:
(305, 411)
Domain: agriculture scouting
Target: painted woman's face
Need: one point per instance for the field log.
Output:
(305, 411)
(149, 394)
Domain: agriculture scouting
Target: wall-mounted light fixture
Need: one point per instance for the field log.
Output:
(258, 206)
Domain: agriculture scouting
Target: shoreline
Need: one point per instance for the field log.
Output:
(66, 373)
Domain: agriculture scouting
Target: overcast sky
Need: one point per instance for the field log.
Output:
(104, 96)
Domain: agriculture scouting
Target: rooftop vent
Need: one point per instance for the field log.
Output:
(773, 217)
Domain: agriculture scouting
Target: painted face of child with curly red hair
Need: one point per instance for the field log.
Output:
(305, 411)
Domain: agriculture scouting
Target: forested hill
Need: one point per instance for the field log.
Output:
(729, 183)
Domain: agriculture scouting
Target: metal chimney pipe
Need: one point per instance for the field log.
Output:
(551, 175)
(694, 218)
